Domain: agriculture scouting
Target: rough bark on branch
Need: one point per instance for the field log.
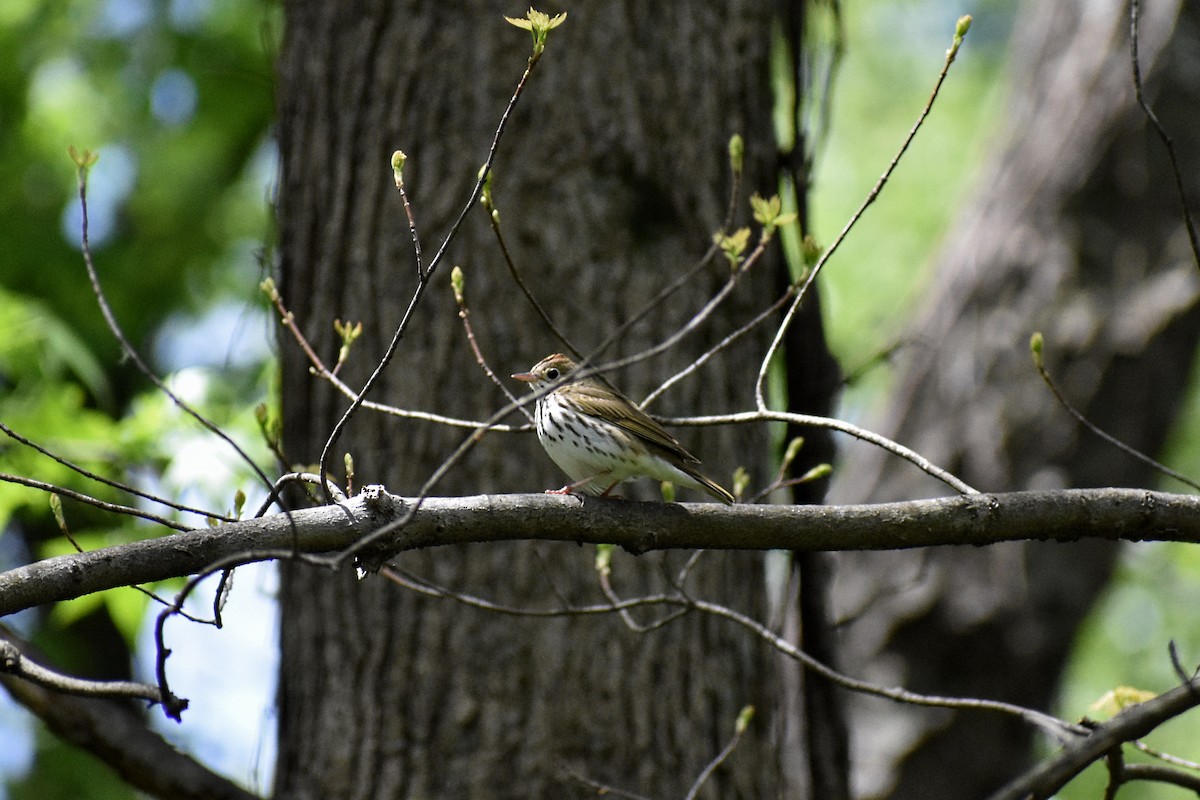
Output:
(976, 520)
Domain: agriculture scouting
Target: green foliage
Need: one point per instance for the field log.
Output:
(176, 99)
(170, 186)
(65, 773)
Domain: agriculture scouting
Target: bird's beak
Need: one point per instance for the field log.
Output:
(527, 377)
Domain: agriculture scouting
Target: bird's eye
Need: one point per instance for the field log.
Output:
(553, 373)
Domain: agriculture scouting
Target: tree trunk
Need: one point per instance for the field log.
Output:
(611, 179)
(1075, 232)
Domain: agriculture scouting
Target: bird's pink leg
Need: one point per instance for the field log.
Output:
(571, 487)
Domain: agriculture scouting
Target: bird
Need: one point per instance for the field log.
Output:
(600, 438)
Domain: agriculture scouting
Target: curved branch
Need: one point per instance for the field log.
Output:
(1132, 723)
(979, 519)
(14, 662)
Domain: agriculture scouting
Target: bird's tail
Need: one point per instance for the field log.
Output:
(712, 487)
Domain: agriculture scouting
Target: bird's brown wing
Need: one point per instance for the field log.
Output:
(613, 407)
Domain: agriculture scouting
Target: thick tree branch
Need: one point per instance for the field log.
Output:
(982, 519)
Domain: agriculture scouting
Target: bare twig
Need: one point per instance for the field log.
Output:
(1167, 757)
(729, 339)
(494, 218)
(1036, 348)
(14, 662)
(604, 789)
(324, 373)
(423, 281)
(959, 33)
(604, 574)
(1180, 192)
(686, 277)
(831, 423)
(118, 736)
(1056, 727)
(174, 706)
(130, 351)
(457, 282)
(116, 508)
(124, 487)
(426, 587)
(739, 729)
(1160, 774)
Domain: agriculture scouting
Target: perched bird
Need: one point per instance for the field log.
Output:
(599, 437)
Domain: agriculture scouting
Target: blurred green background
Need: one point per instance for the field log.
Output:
(178, 98)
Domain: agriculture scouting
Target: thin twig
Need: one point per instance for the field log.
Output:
(713, 250)
(131, 352)
(116, 508)
(172, 705)
(1056, 727)
(1085, 422)
(605, 576)
(723, 756)
(14, 662)
(871, 197)
(464, 313)
(423, 281)
(1166, 757)
(124, 487)
(422, 275)
(408, 580)
(895, 448)
(1180, 192)
(1161, 774)
(725, 342)
(604, 789)
(287, 319)
(692, 324)
(494, 218)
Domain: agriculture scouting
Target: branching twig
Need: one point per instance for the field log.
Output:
(174, 706)
(1059, 729)
(288, 320)
(423, 281)
(729, 339)
(736, 146)
(118, 736)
